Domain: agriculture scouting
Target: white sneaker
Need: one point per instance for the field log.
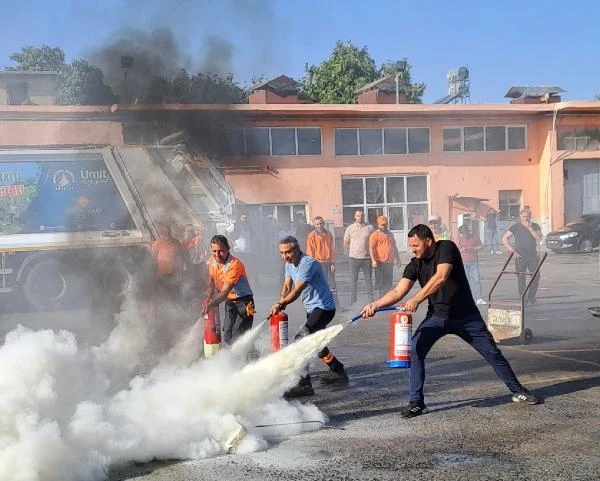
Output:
(492, 251)
(498, 252)
(481, 301)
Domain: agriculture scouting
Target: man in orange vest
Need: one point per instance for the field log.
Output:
(320, 245)
(382, 246)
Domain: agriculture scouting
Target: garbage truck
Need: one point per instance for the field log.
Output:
(78, 223)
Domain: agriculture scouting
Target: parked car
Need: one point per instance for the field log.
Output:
(579, 235)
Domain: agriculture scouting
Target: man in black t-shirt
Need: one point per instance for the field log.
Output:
(439, 269)
(527, 236)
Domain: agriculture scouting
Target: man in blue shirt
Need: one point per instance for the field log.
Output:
(304, 278)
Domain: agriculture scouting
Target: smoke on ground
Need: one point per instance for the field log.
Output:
(67, 412)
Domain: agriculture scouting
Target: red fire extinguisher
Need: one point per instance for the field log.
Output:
(400, 339)
(279, 331)
(212, 333)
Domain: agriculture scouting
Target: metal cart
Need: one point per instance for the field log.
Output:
(506, 318)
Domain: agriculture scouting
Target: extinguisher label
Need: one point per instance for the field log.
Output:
(402, 340)
(283, 333)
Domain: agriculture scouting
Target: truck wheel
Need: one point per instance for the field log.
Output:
(117, 280)
(45, 285)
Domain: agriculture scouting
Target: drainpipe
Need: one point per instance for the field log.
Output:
(398, 87)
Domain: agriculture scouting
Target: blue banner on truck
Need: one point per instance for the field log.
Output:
(44, 193)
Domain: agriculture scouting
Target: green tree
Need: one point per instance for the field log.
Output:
(83, 84)
(43, 58)
(337, 79)
(195, 89)
(79, 83)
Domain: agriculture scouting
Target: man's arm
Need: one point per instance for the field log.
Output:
(536, 231)
(505, 238)
(390, 298)
(220, 297)
(439, 278)
(289, 293)
(310, 244)
(347, 238)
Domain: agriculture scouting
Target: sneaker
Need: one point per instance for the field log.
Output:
(414, 408)
(333, 377)
(492, 251)
(481, 301)
(498, 252)
(525, 397)
(300, 390)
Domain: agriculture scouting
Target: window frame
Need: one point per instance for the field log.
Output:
(383, 150)
(270, 132)
(485, 149)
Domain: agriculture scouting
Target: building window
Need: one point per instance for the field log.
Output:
(578, 138)
(370, 141)
(309, 141)
(510, 204)
(395, 141)
(495, 138)
(273, 141)
(411, 140)
(402, 198)
(452, 139)
(258, 141)
(346, 142)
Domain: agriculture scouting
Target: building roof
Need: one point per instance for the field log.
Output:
(532, 91)
(385, 84)
(282, 84)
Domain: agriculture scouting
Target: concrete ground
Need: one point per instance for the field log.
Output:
(473, 431)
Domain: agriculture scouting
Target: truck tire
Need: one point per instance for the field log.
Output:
(45, 285)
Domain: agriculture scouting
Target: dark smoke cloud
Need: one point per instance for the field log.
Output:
(162, 45)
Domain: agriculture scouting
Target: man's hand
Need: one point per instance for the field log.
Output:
(374, 264)
(411, 305)
(205, 306)
(275, 308)
(368, 311)
(332, 267)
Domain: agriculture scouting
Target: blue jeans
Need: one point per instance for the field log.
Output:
(472, 271)
(493, 239)
(471, 330)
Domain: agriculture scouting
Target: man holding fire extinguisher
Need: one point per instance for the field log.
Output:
(228, 281)
(304, 277)
(452, 310)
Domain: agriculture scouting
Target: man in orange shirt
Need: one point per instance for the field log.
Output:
(320, 245)
(168, 254)
(228, 281)
(382, 246)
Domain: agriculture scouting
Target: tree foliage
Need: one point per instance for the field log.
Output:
(195, 89)
(79, 83)
(337, 79)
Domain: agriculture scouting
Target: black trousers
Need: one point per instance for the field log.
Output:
(357, 265)
(316, 320)
(384, 276)
(237, 318)
(523, 264)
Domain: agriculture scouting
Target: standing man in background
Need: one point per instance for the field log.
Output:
(321, 246)
(169, 257)
(356, 240)
(527, 236)
(491, 227)
(384, 254)
(469, 246)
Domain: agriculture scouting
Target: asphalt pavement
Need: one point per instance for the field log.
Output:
(473, 430)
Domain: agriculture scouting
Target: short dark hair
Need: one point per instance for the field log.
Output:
(220, 240)
(290, 239)
(421, 231)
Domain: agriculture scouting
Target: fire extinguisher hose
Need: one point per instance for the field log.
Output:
(381, 309)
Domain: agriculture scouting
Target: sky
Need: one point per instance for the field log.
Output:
(503, 44)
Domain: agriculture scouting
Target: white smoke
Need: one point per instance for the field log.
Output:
(61, 416)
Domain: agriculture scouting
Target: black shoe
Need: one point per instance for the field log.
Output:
(533, 302)
(525, 397)
(414, 408)
(301, 389)
(333, 377)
